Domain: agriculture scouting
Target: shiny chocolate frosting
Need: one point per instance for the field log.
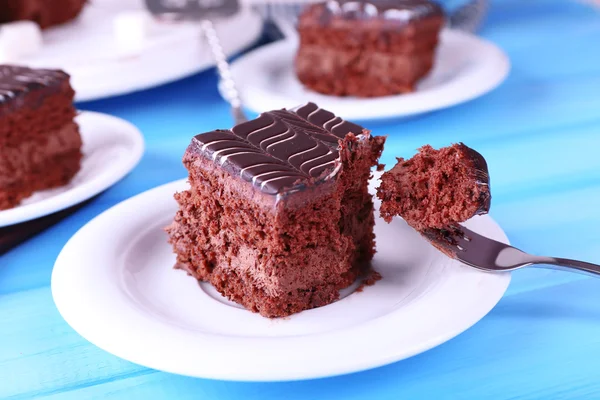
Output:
(395, 10)
(280, 150)
(16, 81)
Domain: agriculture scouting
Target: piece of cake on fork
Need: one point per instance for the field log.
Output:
(40, 145)
(437, 190)
(278, 216)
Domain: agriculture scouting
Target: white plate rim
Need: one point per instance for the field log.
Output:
(166, 342)
(80, 193)
(121, 75)
(492, 72)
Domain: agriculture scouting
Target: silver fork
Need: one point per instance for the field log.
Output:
(227, 85)
(281, 17)
(489, 255)
(204, 12)
(470, 16)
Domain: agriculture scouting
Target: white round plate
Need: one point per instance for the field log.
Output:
(86, 48)
(466, 67)
(117, 288)
(112, 147)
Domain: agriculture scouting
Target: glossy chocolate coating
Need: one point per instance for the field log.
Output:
(279, 150)
(16, 82)
(404, 11)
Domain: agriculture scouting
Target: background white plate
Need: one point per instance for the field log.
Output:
(466, 67)
(86, 49)
(117, 288)
(111, 148)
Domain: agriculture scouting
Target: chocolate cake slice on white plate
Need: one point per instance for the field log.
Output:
(278, 216)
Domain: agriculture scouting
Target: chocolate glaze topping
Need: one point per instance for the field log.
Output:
(16, 81)
(280, 150)
(395, 10)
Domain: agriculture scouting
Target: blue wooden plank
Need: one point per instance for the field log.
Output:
(556, 329)
(41, 354)
(521, 24)
(539, 133)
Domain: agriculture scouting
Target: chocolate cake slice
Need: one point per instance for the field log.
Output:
(40, 145)
(367, 49)
(278, 216)
(45, 13)
(436, 190)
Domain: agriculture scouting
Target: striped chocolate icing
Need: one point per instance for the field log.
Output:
(280, 149)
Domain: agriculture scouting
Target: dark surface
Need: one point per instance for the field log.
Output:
(280, 149)
(13, 235)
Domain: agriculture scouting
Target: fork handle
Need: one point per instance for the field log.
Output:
(565, 264)
(230, 92)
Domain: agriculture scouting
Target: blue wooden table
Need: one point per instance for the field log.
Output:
(540, 132)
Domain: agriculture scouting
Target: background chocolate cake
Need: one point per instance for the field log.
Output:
(40, 145)
(367, 49)
(45, 12)
(436, 190)
(278, 217)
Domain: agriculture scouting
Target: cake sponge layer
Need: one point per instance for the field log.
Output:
(367, 49)
(40, 145)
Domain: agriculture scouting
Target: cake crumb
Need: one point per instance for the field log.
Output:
(369, 280)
